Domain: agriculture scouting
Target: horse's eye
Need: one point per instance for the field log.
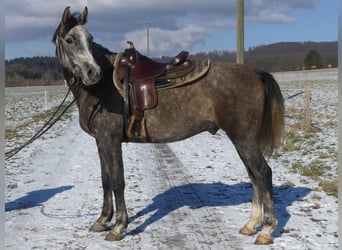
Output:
(68, 40)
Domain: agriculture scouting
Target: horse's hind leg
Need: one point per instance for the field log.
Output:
(262, 203)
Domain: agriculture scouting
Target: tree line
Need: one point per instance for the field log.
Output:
(33, 71)
(275, 57)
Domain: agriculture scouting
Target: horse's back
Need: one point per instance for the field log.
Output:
(237, 92)
(229, 95)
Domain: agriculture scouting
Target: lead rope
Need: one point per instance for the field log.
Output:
(45, 127)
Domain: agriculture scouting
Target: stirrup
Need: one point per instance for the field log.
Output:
(136, 129)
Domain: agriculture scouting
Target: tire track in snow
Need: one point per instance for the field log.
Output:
(208, 228)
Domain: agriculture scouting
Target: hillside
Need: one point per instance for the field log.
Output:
(275, 57)
(32, 71)
(287, 56)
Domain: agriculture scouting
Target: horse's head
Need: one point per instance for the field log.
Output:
(74, 47)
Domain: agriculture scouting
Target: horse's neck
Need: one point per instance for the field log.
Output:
(103, 92)
(99, 54)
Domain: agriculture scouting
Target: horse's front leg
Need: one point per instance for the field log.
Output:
(118, 186)
(107, 207)
(112, 181)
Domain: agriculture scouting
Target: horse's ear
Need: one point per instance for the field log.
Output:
(84, 15)
(66, 15)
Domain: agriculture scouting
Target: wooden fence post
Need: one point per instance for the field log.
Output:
(307, 115)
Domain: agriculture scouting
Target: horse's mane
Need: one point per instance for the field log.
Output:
(98, 46)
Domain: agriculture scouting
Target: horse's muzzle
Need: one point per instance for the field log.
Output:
(92, 76)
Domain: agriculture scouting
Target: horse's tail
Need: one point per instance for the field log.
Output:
(273, 117)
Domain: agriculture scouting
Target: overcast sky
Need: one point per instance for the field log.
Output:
(193, 25)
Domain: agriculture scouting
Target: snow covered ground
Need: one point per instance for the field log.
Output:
(192, 194)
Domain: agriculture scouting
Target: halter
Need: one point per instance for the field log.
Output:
(76, 70)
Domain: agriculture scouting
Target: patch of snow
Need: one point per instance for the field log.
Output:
(192, 194)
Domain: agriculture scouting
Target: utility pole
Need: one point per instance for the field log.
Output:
(240, 46)
(148, 39)
(147, 23)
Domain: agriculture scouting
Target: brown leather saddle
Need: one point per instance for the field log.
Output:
(138, 77)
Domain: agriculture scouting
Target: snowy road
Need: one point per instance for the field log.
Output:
(56, 196)
(179, 196)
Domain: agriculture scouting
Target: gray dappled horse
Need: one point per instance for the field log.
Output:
(246, 104)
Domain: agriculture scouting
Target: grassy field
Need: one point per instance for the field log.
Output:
(311, 150)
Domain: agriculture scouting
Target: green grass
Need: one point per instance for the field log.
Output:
(330, 187)
(313, 171)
